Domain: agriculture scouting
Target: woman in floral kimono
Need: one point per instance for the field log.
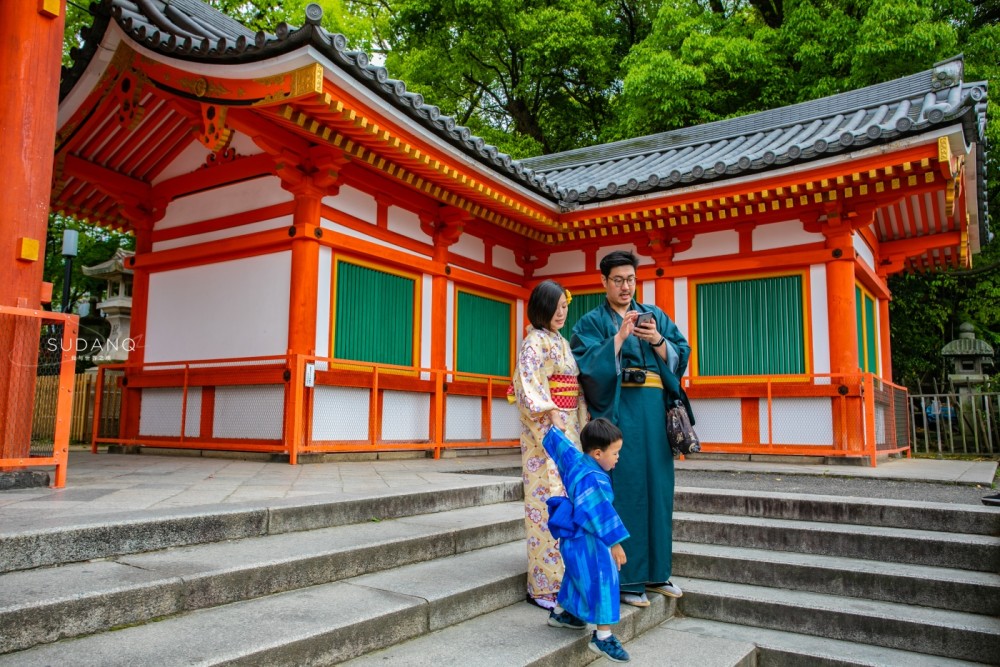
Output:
(546, 391)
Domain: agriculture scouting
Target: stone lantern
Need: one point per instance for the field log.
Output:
(117, 305)
(970, 357)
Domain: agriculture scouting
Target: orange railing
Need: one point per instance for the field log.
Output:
(856, 415)
(36, 342)
(299, 405)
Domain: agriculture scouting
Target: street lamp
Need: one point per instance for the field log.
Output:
(70, 237)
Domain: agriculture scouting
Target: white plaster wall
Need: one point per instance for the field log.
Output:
(340, 413)
(712, 244)
(681, 310)
(228, 233)
(648, 292)
(161, 409)
(782, 235)
(223, 310)
(217, 202)
(469, 246)
(347, 231)
(519, 326)
(464, 418)
(820, 321)
(426, 305)
(354, 202)
(503, 258)
(194, 156)
(323, 301)
(405, 415)
(504, 423)
(250, 412)
(572, 261)
(798, 421)
(718, 419)
(863, 250)
(407, 223)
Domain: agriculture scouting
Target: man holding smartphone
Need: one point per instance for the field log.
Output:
(631, 358)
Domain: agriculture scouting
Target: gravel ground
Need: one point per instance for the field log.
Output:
(835, 486)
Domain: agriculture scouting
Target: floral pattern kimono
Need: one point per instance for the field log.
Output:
(544, 379)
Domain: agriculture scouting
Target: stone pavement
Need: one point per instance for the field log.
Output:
(112, 483)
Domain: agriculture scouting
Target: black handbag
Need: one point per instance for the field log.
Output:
(680, 432)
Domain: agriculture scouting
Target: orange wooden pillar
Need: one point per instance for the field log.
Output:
(306, 233)
(31, 35)
(843, 326)
(885, 340)
(132, 398)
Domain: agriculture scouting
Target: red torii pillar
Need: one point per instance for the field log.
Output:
(31, 34)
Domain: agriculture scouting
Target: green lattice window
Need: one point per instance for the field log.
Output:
(581, 305)
(864, 305)
(374, 315)
(483, 339)
(751, 327)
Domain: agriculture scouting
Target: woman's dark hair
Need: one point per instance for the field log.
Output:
(599, 434)
(618, 258)
(543, 302)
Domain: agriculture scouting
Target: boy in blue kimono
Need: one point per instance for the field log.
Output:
(590, 533)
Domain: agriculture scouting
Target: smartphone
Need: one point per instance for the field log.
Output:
(643, 318)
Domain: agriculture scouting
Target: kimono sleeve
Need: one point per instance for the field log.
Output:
(531, 384)
(562, 451)
(594, 511)
(594, 351)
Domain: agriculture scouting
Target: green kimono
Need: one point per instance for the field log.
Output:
(643, 480)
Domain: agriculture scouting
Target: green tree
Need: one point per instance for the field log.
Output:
(94, 245)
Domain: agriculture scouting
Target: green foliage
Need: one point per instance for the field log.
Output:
(94, 245)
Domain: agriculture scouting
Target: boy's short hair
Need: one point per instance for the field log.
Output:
(599, 434)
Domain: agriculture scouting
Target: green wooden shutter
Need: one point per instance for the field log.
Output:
(871, 347)
(751, 327)
(859, 314)
(581, 305)
(374, 318)
(484, 335)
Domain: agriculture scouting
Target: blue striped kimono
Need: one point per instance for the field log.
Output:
(587, 526)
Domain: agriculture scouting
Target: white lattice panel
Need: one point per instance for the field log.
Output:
(505, 423)
(405, 416)
(160, 414)
(340, 413)
(464, 418)
(249, 412)
(799, 421)
(718, 419)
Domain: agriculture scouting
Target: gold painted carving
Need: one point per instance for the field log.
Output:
(306, 80)
(215, 135)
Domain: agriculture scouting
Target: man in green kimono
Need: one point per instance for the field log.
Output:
(631, 358)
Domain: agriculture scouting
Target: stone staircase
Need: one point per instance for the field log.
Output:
(438, 578)
(824, 580)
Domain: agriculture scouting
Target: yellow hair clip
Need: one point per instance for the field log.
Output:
(569, 297)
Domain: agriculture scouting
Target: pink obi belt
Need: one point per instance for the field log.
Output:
(565, 391)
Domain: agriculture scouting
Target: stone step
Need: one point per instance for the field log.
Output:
(897, 545)
(319, 625)
(951, 634)
(25, 546)
(517, 635)
(777, 648)
(938, 587)
(948, 518)
(47, 604)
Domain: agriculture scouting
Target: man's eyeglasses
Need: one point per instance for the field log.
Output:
(618, 281)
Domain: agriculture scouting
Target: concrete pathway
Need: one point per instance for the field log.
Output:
(113, 483)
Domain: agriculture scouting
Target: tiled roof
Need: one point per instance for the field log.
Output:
(190, 30)
(778, 137)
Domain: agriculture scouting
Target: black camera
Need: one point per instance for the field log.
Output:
(633, 376)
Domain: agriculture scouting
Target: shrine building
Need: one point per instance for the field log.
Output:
(325, 262)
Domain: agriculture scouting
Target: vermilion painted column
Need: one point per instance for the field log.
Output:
(305, 269)
(843, 333)
(31, 34)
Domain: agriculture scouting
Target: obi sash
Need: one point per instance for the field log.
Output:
(565, 391)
